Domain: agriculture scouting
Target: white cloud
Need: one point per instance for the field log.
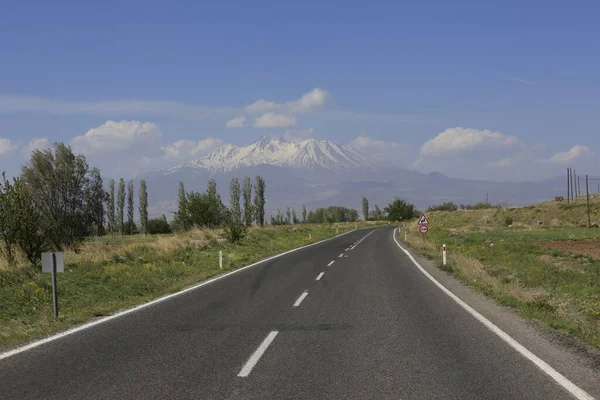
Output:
(121, 135)
(505, 162)
(314, 100)
(7, 146)
(571, 155)
(261, 106)
(460, 140)
(378, 149)
(272, 120)
(36, 144)
(293, 135)
(237, 122)
(186, 149)
(516, 79)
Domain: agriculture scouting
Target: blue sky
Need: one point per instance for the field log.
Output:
(503, 91)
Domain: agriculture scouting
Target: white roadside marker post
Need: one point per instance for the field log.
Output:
(220, 259)
(310, 236)
(405, 237)
(337, 231)
(444, 254)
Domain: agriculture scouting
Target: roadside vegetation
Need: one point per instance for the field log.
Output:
(116, 257)
(541, 260)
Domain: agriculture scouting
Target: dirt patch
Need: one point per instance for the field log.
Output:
(590, 248)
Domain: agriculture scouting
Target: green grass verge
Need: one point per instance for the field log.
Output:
(138, 271)
(561, 290)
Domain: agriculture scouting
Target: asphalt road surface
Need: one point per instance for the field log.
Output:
(338, 320)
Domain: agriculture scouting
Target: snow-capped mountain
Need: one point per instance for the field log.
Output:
(309, 154)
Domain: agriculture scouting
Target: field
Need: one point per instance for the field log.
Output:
(541, 260)
(111, 273)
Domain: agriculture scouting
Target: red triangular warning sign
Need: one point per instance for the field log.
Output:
(423, 220)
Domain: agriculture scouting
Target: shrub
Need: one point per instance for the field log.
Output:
(449, 206)
(158, 226)
(508, 221)
(481, 206)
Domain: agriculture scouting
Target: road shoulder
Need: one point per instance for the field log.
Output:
(578, 362)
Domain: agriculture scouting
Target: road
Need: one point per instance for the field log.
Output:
(338, 320)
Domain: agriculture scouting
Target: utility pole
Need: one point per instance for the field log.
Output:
(587, 193)
(572, 184)
(568, 185)
(487, 198)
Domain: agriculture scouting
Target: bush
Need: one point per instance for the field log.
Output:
(235, 230)
(508, 221)
(482, 206)
(158, 226)
(444, 207)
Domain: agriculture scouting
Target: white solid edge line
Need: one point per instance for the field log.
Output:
(320, 276)
(254, 358)
(153, 302)
(302, 297)
(330, 264)
(575, 390)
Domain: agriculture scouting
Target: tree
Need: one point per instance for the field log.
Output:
(59, 184)
(365, 207)
(235, 231)
(121, 207)
(112, 220)
(211, 188)
(130, 209)
(259, 201)
(96, 199)
(248, 207)
(401, 210)
(235, 194)
(377, 214)
(295, 219)
(303, 214)
(288, 214)
(182, 218)
(205, 211)
(159, 226)
(20, 222)
(144, 207)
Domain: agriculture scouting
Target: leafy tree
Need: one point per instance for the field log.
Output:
(96, 199)
(248, 207)
(365, 207)
(112, 219)
(288, 214)
(144, 207)
(159, 226)
(20, 222)
(332, 214)
(401, 210)
(9, 220)
(59, 184)
(259, 201)
(121, 207)
(295, 219)
(377, 214)
(182, 217)
(211, 188)
(235, 194)
(303, 214)
(206, 209)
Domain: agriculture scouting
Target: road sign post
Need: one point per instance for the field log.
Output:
(53, 263)
(423, 225)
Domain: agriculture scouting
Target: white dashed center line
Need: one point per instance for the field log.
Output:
(257, 355)
(302, 297)
(330, 264)
(320, 276)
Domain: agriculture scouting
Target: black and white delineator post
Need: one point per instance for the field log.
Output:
(443, 254)
(53, 263)
(220, 259)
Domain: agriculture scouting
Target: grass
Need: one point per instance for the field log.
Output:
(109, 274)
(521, 269)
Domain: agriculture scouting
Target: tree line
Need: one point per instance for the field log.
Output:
(206, 210)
